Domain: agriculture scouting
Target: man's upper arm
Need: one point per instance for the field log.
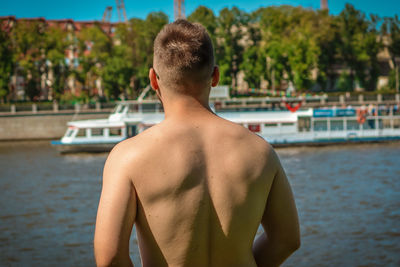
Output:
(280, 219)
(116, 212)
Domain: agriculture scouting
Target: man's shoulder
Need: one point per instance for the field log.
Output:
(245, 136)
(221, 133)
(133, 153)
(242, 142)
(135, 145)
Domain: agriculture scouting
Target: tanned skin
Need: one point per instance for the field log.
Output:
(196, 187)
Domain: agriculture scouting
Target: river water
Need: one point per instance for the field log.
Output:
(348, 199)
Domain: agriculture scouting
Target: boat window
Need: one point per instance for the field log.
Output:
(121, 109)
(320, 126)
(81, 133)
(380, 124)
(396, 123)
(149, 107)
(117, 109)
(115, 131)
(132, 130)
(369, 124)
(255, 128)
(304, 124)
(270, 125)
(386, 123)
(69, 132)
(336, 125)
(133, 108)
(97, 132)
(287, 123)
(353, 125)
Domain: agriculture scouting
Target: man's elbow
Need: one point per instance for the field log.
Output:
(104, 259)
(287, 244)
(104, 255)
(296, 244)
(111, 259)
(104, 263)
(293, 245)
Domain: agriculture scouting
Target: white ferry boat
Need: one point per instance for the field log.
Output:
(280, 128)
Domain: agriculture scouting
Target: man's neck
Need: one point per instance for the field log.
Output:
(186, 106)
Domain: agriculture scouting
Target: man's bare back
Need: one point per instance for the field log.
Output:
(197, 188)
(202, 192)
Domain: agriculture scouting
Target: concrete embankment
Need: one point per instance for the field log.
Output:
(40, 126)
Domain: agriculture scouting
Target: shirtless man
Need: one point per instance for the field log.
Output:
(196, 186)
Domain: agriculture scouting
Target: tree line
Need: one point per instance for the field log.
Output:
(273, 46)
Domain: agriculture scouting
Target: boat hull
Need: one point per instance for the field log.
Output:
(337, 141)
(106, 147)
(79, 148)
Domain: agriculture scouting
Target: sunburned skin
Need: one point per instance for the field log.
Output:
(196, 187)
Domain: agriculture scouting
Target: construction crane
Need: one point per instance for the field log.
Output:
(121, 11)
(324, 5)
(107, 14)
(179, 9)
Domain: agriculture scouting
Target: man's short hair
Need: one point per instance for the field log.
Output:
(183, 52)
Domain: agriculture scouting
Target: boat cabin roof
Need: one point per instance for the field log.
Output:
(101, 123)
(264, 116)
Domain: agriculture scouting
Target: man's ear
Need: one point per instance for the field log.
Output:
(153, 79)
(215, 77)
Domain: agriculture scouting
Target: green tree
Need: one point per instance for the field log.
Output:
(280, 44)
(328, 40)
(273, 24)
(118, 70)
(140, 54)
(302, 47)
(229, 50)
(302, 55)
(254, 56)
(56, 43)
(94, 49)
(116, 75)
(371, 44)
(290, 44)
(390, 31)
(359, 46)
(6, 64)
(30, 54)
(253, 65)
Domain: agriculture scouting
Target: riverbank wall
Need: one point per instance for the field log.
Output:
(14, 127)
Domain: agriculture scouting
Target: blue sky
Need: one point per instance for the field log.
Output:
(93, 9)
